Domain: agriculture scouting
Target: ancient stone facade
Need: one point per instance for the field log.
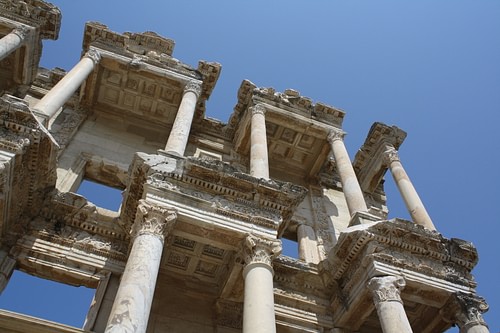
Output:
(196, 245)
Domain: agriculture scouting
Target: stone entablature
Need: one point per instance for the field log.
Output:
(433, 267)
(39, 14)
(151, 53)
(369, 162)
(29, 161)
(212, 186)
(290, 100)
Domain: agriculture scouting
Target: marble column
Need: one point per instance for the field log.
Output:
(465, 310)
(259, 163)
(350, 184)
(386, 291)
(66, 87)
(308, 246)
(258, 306)
(410, 196)
(179, 135)
(13, 41)
(132, 304)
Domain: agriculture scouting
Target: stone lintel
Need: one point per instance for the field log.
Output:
(369, 162)
(35, 13)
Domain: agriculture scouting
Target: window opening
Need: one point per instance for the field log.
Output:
(45, 299)
(290, 247)
(101, 195)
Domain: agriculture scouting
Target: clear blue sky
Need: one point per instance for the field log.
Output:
(429, 67)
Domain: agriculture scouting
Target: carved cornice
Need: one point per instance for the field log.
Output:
(258, 250)
(35, 13)
(214, 185)
(288, 101)
(34, 172)
(153, 220)
(387, 288)
(370, 162)
(465, 310)
(404, 246)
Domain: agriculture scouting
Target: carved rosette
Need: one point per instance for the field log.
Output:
(390, 155)
(258, 109)
(387, 288)
(153, 220)
(335, 135)
(465, 310)
(93, 55)
(261, 251)
(194, 87)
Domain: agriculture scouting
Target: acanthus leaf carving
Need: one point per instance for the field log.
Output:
(260, 250)
(387, 288)
(154, 220)
(465, 310)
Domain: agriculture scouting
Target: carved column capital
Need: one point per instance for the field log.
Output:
(93, 55)
(153, 220)
(387, 288)
(22, 32)
(258, 109)
(334, 135)
(259, 250)
(194, 87)
(465, 310)
(390, 155)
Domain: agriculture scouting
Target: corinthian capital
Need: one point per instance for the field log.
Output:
(93, 55)
(22, 31)
(390, 155)
(258, 109)
(259, 250)
(194, 87)
(153, 220)
(335, 134)
(465, 310)
(386, 288)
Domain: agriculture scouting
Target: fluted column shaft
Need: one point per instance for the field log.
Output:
(66, 87)
(410, 196)
(259, 163)
(350, 184)
(386, 293)
(132, 304)
(12, 41)
(465, 310)
(179, 135)
(258, 306)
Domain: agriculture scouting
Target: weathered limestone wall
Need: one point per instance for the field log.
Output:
(176, 311)
(108, 143)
